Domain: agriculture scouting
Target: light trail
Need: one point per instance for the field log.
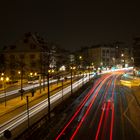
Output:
(16, 121)
(79, 108)
(87, 111)
(107, 89)
(2, 95)
(112, 115)
(27, 88)
(22, 117)
(112, 122)
(104, 107)
(102, 98)
(105, 120)
(110, 105)
(100, 122)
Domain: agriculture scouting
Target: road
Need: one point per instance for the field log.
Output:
(109, 111)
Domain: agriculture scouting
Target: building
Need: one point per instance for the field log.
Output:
(107, 56)
(28, 55)
(136, 52)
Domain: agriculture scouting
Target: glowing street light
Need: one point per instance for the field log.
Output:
(80, 57)
(19, 72)
(31, 74)
(1, 78)
(62, 68)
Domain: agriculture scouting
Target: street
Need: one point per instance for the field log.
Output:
(108, 111)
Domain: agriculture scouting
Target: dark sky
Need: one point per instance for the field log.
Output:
(70, 23)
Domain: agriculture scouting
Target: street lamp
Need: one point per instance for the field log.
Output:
(62, 89)
(35, 74)
(80, 64)
(4, 80)
(72, 68)
(19, 78)
(28, 115)
(19, 72)
(132, 59)
(123, 56)
(80, 57)
(32, 80)
(21, 91)
(31, 73)
(114, 61)
(48, 83)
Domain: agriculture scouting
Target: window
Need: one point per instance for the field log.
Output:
(4, 48)
(103, 52)
(32, 46)
(33, 64)
(32, 56)
(25, 40)
(12, 47)
(22, 56)
(12, 56)
(12, 72)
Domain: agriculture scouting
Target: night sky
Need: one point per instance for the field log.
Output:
(70, 23)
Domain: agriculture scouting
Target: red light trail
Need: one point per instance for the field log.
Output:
(80, 107)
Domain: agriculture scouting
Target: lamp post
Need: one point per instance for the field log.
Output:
(80, 66)
(114, 61)
(40, 82)
(71, 70)
(19, 72)
(28, 115)
(123, 56)
(83, 79)
(62, 89)
(48, 83)
(4, 80)
(132, 60)
(32, 80)
(48, 75)
(21, 91)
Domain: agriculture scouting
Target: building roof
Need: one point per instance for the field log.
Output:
(29, 43)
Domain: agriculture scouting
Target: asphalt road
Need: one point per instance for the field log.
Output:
(109, 111)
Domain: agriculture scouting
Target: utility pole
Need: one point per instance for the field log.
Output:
(62, 89)
(48, 83)
(71, 79)
(27, 100)
(40, 82)
(21, 85)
